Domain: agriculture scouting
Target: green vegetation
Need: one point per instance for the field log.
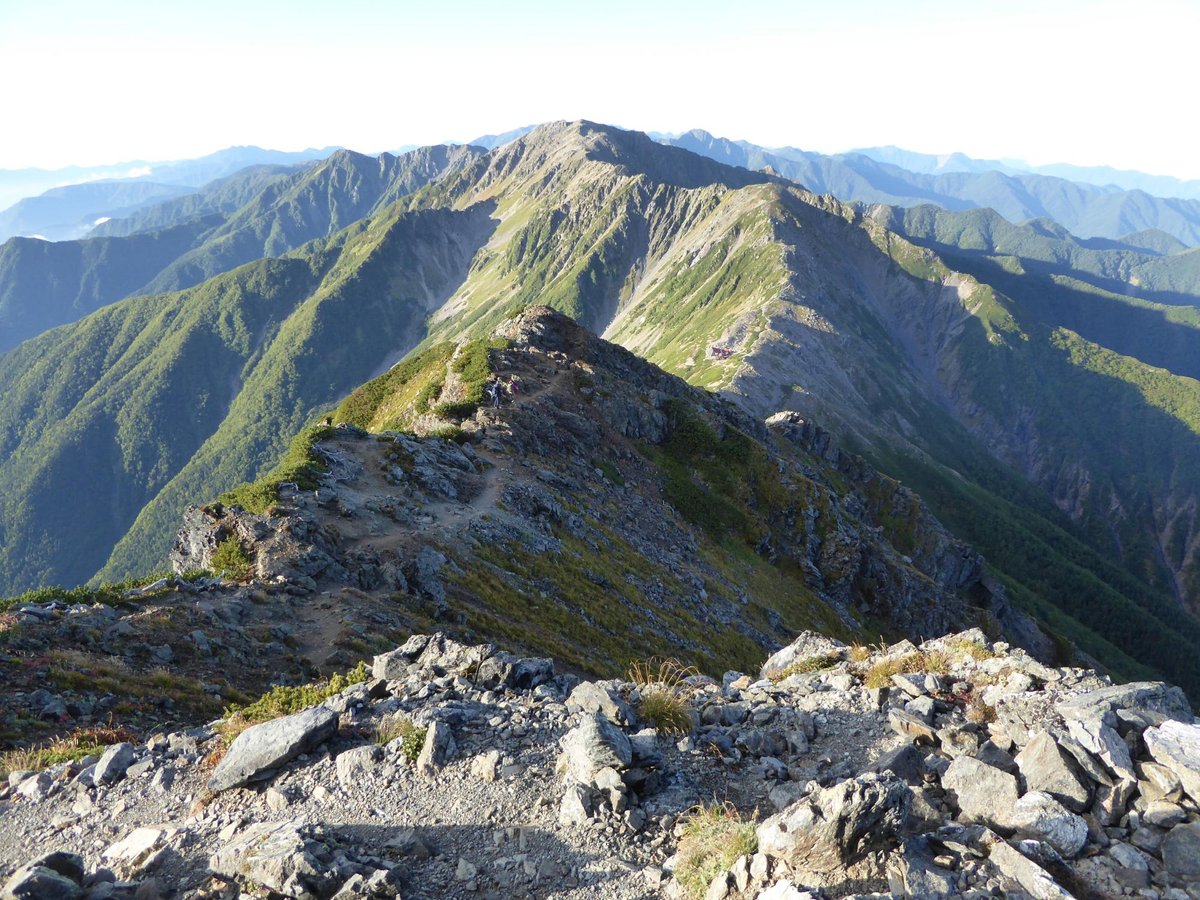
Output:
(712, 840)
(110, 593)
(300, 466)
(807, 665)
(401, 728)
(723, 483)
(394, 400)
(78, 670)
(283, 701)
(230, 560)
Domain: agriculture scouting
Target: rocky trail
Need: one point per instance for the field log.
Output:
(957, 768)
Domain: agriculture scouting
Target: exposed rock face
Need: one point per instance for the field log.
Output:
(838, 826)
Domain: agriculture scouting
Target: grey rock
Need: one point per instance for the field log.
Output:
(36, 787)
(591, 746)
(1163, 813)
(984, 794)
(1039, 816)
(806, 645)
(1177, 746)
(40, 883)
(575, 808)
(911, 727)
(113, 764)
(600, 697)
(906, 762)
(913, 873)
(260, 749)
(504, 670)
(278, 856)
(921, 707)
(1020, 872)
(438, 748)
(1181, 851)
(1104, 742)
(838, 825)
(357, 763)
(1148, 696)
(69, 865)
(1045, 766)
(1157, 782)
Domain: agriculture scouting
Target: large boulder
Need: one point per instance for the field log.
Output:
(504, 670)
(1020, 873)
(112, 765)
(1146, 696)
(1177, 747)
(839, 825)
(439, 747)
(57, 875)
(593, 745)
(985, 795)
(601, 697)
(807, 645)
(1039, 816)
(1181, 852)
(261, 749)
(1045, 766)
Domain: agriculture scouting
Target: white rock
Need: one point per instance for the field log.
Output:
(1177, 746)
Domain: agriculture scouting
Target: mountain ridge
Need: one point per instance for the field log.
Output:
(814, 305)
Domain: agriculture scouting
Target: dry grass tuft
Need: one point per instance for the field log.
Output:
(665, 694)
(76, 745)
(713, 838)
(880, 674)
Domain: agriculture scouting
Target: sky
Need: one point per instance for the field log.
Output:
(1089, 83)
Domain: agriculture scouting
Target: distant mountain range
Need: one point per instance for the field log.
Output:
(77, 203)
(262, 211)
(1104, 176)
(1085, 210)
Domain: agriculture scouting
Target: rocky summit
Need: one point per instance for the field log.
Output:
(957, 767)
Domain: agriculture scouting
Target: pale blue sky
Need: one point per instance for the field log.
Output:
(1082, 82)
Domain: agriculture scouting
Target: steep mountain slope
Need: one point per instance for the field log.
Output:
(42, 286)
(66, 213)
(224, 195)
(738, 281)
(1085, 209)
(45, 284)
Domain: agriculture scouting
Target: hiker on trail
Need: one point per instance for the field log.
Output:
(493, 391)
(514, 385)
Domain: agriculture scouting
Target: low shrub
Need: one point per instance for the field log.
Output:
(283, 701)
(807, 665)
(230, 560)
(76, 745)
(401, 728)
